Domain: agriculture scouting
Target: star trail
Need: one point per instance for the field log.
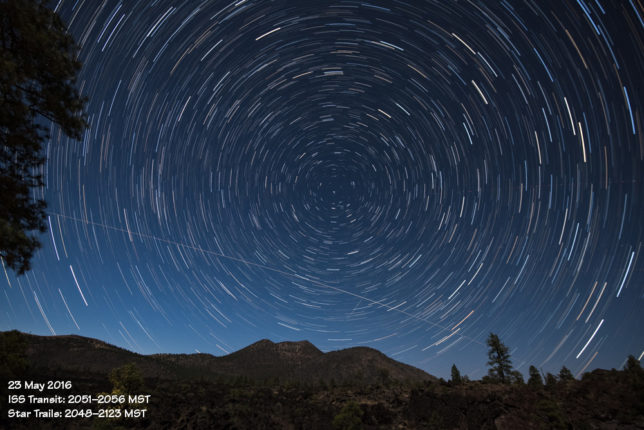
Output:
(408, 176)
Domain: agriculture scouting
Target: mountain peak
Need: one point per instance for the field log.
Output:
(284, 350)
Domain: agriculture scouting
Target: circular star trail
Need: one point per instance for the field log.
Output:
(409, 176)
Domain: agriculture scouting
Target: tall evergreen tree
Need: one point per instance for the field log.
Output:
(499, 360)
(456, 375)
(38, 69)
(534, 380)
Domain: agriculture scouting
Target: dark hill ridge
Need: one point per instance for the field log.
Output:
(72, 352)
(266, 350)
(200, 391)
(264, 360)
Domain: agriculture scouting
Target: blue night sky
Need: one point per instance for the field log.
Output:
(404, 175)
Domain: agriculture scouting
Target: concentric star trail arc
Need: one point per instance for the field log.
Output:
(408, 176)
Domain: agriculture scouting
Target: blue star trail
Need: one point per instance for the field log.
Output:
(408, 176)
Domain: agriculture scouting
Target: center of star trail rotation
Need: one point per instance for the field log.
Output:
(403, 175)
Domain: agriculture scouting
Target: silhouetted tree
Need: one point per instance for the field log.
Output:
(635, 373)
(126, 380)
(517, 377)
(38, 70)
(566, 375)
(534, 380)
(551, 380)
(633, 365)
(456, 375)
(635, 376)
(499, 360)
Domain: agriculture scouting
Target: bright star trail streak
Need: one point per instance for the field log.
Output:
(408, 176)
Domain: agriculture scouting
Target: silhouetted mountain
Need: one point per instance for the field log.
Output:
(78, 353)
(301, 362)
(298, 362)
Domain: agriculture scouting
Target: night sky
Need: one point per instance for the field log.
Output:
(404, 175)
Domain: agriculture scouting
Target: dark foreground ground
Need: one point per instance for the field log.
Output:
(99, 386)
(602, 400)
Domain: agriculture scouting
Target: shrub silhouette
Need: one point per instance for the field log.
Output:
(551, 380)
(349, 418)
(565, 375)
(126, 379)
(517, 377)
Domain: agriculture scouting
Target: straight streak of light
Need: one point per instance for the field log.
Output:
(144, 330)
(538, 147)
(480, 92)
(67, 307)
(630, 112)
(554, 351)
(5, 272)
(272, 269)
(225, 351)
(266, 34)
(587, 300)
(626, 274)
(497, 294)
(42, 312)
(463, 320)
(463, 42)
(403, 351)
(131, 338)
(442, 340)
(397, 306)
(77, 285)
(288, 326)
(456, 291)
(51, 232)
(591, 338)
(581, 134)
(596, 302)
(572, 123)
